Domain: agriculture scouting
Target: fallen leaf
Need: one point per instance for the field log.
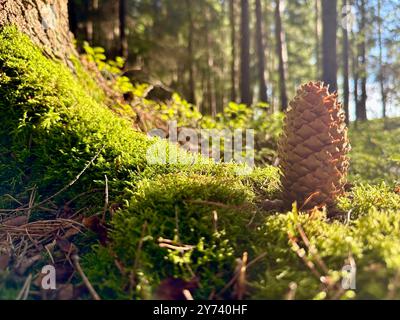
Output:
(94, 224)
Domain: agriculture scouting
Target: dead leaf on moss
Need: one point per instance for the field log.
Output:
(94, 224)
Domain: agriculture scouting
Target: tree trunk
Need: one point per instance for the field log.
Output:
(317, 10)
(210, 65)
(282, 55)
(362, 106)
(261, 52)
(346, 86)
(381, 71)
(355, 72)
(73, 20)
(44, 21)
(124, 52)
(329, 18)
(245, 54)
(88, 20)
(192, 90)
(232, 18)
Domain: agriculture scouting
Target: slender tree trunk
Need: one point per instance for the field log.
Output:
(232, 18)
(261, 52)
(192, 91)
(346, 86)
(381, 71)
(45, 23)
(123, 49)
(245, 87)
(73, 20)
(355, 72)
(329, 18)
(317, 22)
(210, 64)
(89, 20)
(282, 55)
(362, 112)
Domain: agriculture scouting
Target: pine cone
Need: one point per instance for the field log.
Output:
(313, 148)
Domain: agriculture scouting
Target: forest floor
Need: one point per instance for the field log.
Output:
(79, 193)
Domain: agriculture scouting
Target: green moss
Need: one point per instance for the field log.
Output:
(181, 208)
(373, 241)
(365, 197)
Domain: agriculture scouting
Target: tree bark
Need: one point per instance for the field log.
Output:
(245, 88)
(381, 71)
(346, 86)
(44, 21)
(192, 91)
(362, 105)
(329, 17)
(355, 71)
(282, 56)
(317, 9)
(124, 52)
(73, 20)
(261, 53)
(88, 20)
(232, 18)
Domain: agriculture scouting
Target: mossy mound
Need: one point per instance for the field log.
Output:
(209, 216)
(52, 127)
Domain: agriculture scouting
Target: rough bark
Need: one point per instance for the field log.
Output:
(329, 16)
(44, 21)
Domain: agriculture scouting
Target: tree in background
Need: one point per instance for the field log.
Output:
(345, 62)
(281, 52)
(329, 18)
(381, 74)
(245, 90)
(260, 52)
(232, 23)
(317, 26)
(361, 107)
(123, 50)
(211, 51)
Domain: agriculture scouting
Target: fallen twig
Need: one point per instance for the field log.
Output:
(92, 291)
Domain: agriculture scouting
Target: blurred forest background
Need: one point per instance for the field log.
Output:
(253, 51)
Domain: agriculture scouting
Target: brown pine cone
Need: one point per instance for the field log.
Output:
(313, 148)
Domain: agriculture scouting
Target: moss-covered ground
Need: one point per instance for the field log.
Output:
(189, 225)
